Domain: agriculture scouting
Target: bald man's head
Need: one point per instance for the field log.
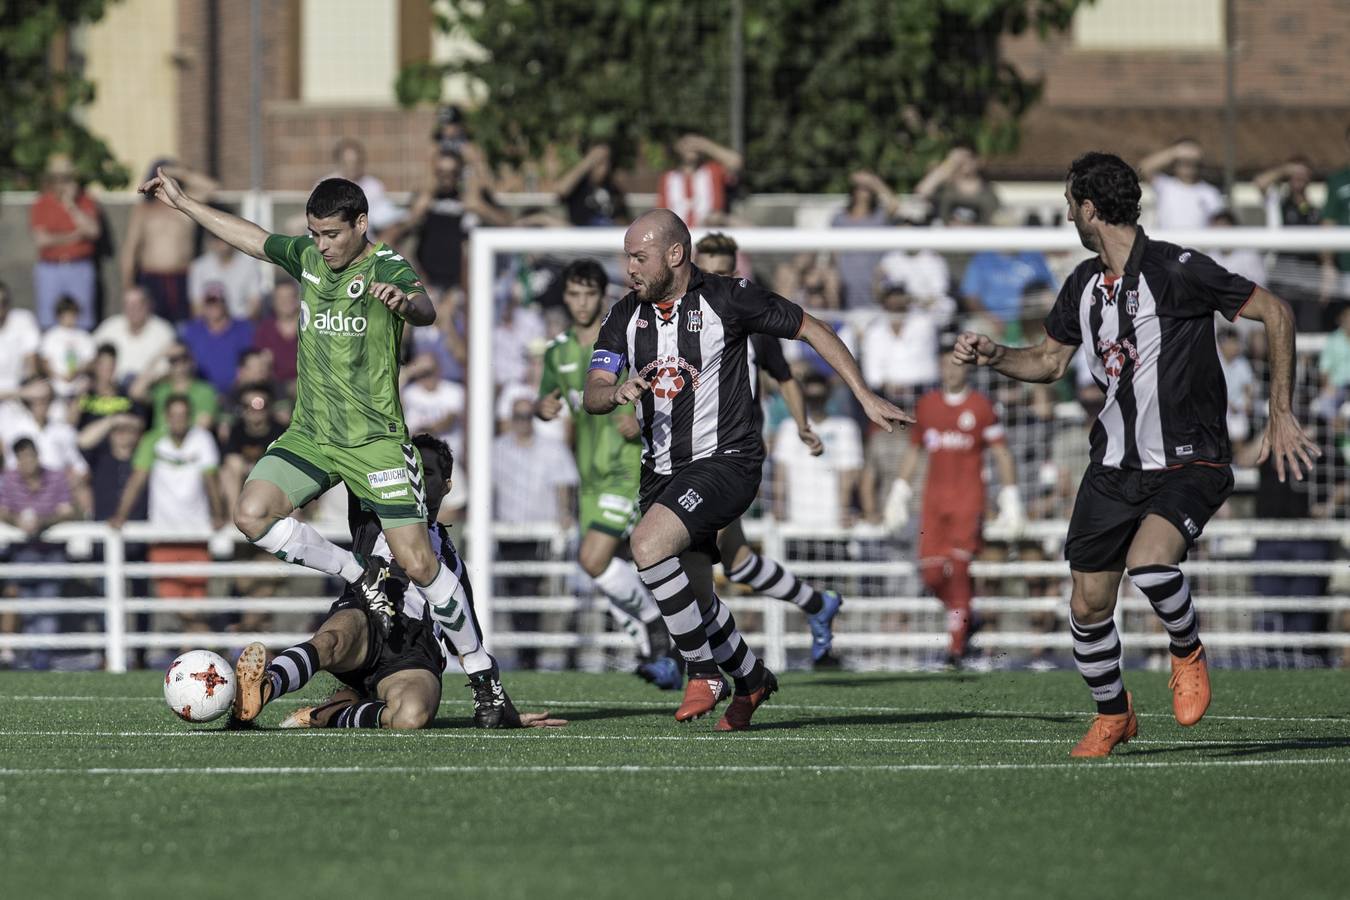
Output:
(658, 246)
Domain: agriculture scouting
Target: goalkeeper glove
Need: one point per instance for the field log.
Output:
(1012, 518)
(896, 514)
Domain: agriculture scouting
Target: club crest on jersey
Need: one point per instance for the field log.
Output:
(966, 421)
(694, 320)
(1131, 303)
(356, 287)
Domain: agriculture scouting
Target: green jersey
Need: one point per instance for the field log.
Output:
(603, 455)
(1337, 208)
(347, 362)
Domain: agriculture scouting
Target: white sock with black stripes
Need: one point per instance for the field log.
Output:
(359, 715)
(1170, 595)
(297, 542)
(768, 577)
(679, 608)
(292, 669)
(730, 650)
(1096, 654)
(451, 608)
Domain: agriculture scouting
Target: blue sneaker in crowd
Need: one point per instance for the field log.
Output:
(663, 672)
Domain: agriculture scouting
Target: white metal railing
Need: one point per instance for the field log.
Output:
(772, 635)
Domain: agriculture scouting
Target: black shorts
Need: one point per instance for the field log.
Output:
(411, 644)
(708, 495)
(1112, 502)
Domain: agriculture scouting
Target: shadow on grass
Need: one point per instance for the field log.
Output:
(1247, 748)
(914, 718)
(570, 714)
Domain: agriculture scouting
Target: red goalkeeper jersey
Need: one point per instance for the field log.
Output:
(955, 430)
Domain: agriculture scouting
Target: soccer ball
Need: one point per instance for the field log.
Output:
(199, 686)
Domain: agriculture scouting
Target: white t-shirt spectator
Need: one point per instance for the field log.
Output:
(1182, 205)
(65, 352)
(903, 357)
(922, 274)
(511, 344)
(57, 443)
(1247, 263)
(239, 278)
(135, 351)
(812, 483)
(531, 474)
(424, 407)
(20, 339)
(555, 429)
(178, 497)
(1238, 375)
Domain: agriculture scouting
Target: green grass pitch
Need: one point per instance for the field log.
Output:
(902, 785)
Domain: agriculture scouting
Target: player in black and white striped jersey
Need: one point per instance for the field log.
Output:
(716, 253)
(682, 334)
(1145, 309)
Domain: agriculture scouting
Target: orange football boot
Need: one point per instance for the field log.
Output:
(701, 696)
(743, 706)
(253, 689)
(1190, 686)
(1106, 731)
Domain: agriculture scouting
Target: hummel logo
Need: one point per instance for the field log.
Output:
(309, 276)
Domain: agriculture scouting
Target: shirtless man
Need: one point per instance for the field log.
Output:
(161, 244)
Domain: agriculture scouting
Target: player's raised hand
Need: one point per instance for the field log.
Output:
(885, 413)
(974, 349)
(392, 296)
(164, 188)
(1293, 449)
(630, 391)
(548, 406)
(628, 426)
(812, 440)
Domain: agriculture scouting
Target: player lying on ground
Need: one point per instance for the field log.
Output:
(682, 335)
(954, 426)
(348, 423)
(1160, 450)
(393, 678)
(608, 452)
(716, 253)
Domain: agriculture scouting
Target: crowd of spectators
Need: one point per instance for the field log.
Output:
(157, 411)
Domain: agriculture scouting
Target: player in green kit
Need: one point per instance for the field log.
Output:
(348, 422)
(608, 451)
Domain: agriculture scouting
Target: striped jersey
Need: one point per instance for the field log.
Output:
(694, 356)
(1151, 348)
(347, 359)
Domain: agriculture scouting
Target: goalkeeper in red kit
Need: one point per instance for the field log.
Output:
(956, 424)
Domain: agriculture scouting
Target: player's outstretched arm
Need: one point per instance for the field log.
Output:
(238, 233)
(602, 396)
(1044, 363)
(825, 342)
(1284, 438)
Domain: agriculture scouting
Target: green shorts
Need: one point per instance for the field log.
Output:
(609, 510)
(384, 474)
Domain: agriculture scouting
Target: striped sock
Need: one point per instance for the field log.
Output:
(293, 669)
(1170, 594)
(680, 610)
(359, 715)
(1096, 654)
(767, 577)
(732, 653)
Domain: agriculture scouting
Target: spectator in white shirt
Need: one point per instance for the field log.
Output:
(1241, 382)
(537, 473)
(350, 157)
(21, 339)
(55, 439)
(139, 337)
(67, 350)
(238, 276)
(1182, 199)
(1247, 263)
(899, 348)
(817, 490)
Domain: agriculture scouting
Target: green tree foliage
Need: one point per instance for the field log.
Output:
(39, 105)
(830, 85)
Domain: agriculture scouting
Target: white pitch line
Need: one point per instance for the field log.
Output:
(1115, 766)
(553, 735)
(660, 704)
